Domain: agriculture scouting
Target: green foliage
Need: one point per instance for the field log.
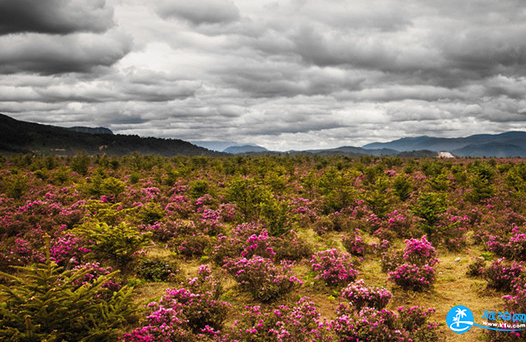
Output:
(274, 214)
(198, 188)
(115, 243)
(109, 186)
(378, 199)
(46, 304)
(110, 213)
(402, 187)
(481, 188)
(151, 213)
(439, 182)
(81, 163)
(17, 186)
(156, 270)
(338, 189)
(428, 207)
(247, 195)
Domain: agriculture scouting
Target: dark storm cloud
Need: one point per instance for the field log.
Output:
(46, 54)
(54, 16)
(199, 12)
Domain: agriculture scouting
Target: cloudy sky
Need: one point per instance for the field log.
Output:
(286, 74)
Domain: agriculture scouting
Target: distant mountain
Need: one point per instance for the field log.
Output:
(27, 137)
(349, 151)
(509, 144)
(218, 146)
(244, 149)
(91, 130)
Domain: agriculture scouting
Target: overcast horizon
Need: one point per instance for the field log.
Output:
(284, 75)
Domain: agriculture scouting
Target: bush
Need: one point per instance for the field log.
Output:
(180, 316)
(360, 296)
(419, 252)
(46, 304)
(413, 277)
(302, 322)
(156, 270)
(476, 268)
(263, 279)
(191, 246)
(501, 274)
(354, 244)
(115, 243)
(333, 267)
(368, 324)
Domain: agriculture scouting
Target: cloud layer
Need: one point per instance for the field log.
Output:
(292, 74)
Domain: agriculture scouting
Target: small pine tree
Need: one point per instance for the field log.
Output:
(45, 303)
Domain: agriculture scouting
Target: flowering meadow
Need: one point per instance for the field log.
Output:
(274, 248)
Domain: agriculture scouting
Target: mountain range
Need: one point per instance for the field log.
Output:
(509, 144)
(27, 137)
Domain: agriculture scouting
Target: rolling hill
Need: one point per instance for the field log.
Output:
(27, 137)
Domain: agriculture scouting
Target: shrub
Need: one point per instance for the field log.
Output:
(47, 304)
(263, 279)
(115, 243)
(283, 324)
(156, 270)
(368, 324)
(360, 295)
(419, 252)
(413, 277)
(333, 267)
(184, 314)
(354, 244)
(501, 274)
(476, 268)
(191, 246)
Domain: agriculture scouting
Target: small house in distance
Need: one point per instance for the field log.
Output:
(445, 155)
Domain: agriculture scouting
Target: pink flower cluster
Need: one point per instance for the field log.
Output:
(262, 278)
(333, 267)
(361, 295)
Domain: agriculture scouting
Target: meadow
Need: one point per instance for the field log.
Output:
(291, 248)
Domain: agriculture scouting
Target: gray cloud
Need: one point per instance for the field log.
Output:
(199, 12)
(46, 54)
(54, 16)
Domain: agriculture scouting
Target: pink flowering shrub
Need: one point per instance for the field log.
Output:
(263, 279)
(419, 252)
(67, 248)
(184, 314)
(512, 247)
(501, 274)
(477, 267)
(191, 246)
(302, 322)
(415, 320)
(369, 324)
(360, 295)
(333, 267)
(251, 239)
(354, 244)
(413, 277)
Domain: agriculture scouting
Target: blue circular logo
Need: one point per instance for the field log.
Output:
(459, 319)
